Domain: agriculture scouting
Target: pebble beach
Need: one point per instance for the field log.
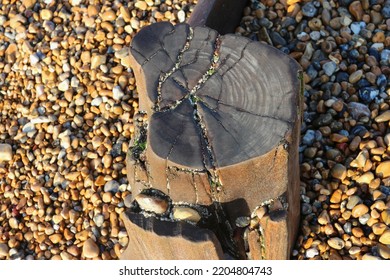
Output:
(68, 98)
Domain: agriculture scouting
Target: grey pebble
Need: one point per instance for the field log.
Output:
(329, 68)
(111, 186)
(309, 9)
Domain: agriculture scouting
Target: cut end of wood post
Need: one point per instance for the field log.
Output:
(223, 122)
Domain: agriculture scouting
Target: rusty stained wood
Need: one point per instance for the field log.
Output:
(223, 121)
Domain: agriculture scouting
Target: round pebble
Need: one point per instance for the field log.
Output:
(186, 213)
(336, 243)
(90, 249)
(152, 204)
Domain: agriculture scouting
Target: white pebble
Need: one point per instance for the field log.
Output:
(40, 119)
(64, 85)
(311, 253)
(54, 45)
(5, 152)
(34, 59)
(66, 67)
(181, 15)
(74, 82)
(80, 101)
(117, 93)
(364, 218)
(96, 101)
(98, 220)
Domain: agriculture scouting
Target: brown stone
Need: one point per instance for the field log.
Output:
(356, 9)
(385, 237)
(384, 251)
(385, 215)
(383, 169)
(359, 210)
(90, 249)
(153, 239)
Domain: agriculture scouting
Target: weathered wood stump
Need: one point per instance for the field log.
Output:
(218, 138)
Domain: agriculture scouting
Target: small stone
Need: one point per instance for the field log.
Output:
(309, 137)
(181, 16)
(311, 253)
(80, 101)
(354, 250)
(338, 138)
(74, 250)
(29, 3)
(353, 201)
(98, 220)
(356, 9)
(358, 110)
(57, 219)
(384, 251)
(323, 218)
(3, 250)
(364, 218)
(128, 200)
(339, 171)
(378, 228)
(98, 60)
(261, 211)
(46, 14)
(90, 249)
(329, 68)
(34, 59)
(366, 178)
(13, 223)
(385, 215)
(383, 169)
(242, 222)
(55, 238)
(117, 93)
(141, 5)
(96, 101)
(359, 210)
(64, 85)
(152, 203)
(108, 15)
(355, 76)
(336, 243)
(186, 213)
(385, 238)
(336, 196)
(111, 186)
(5, 152)
(384, 117)
(309, 10)
(369, 257)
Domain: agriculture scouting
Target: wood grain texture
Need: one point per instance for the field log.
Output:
(153, 239)
(223, 122)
